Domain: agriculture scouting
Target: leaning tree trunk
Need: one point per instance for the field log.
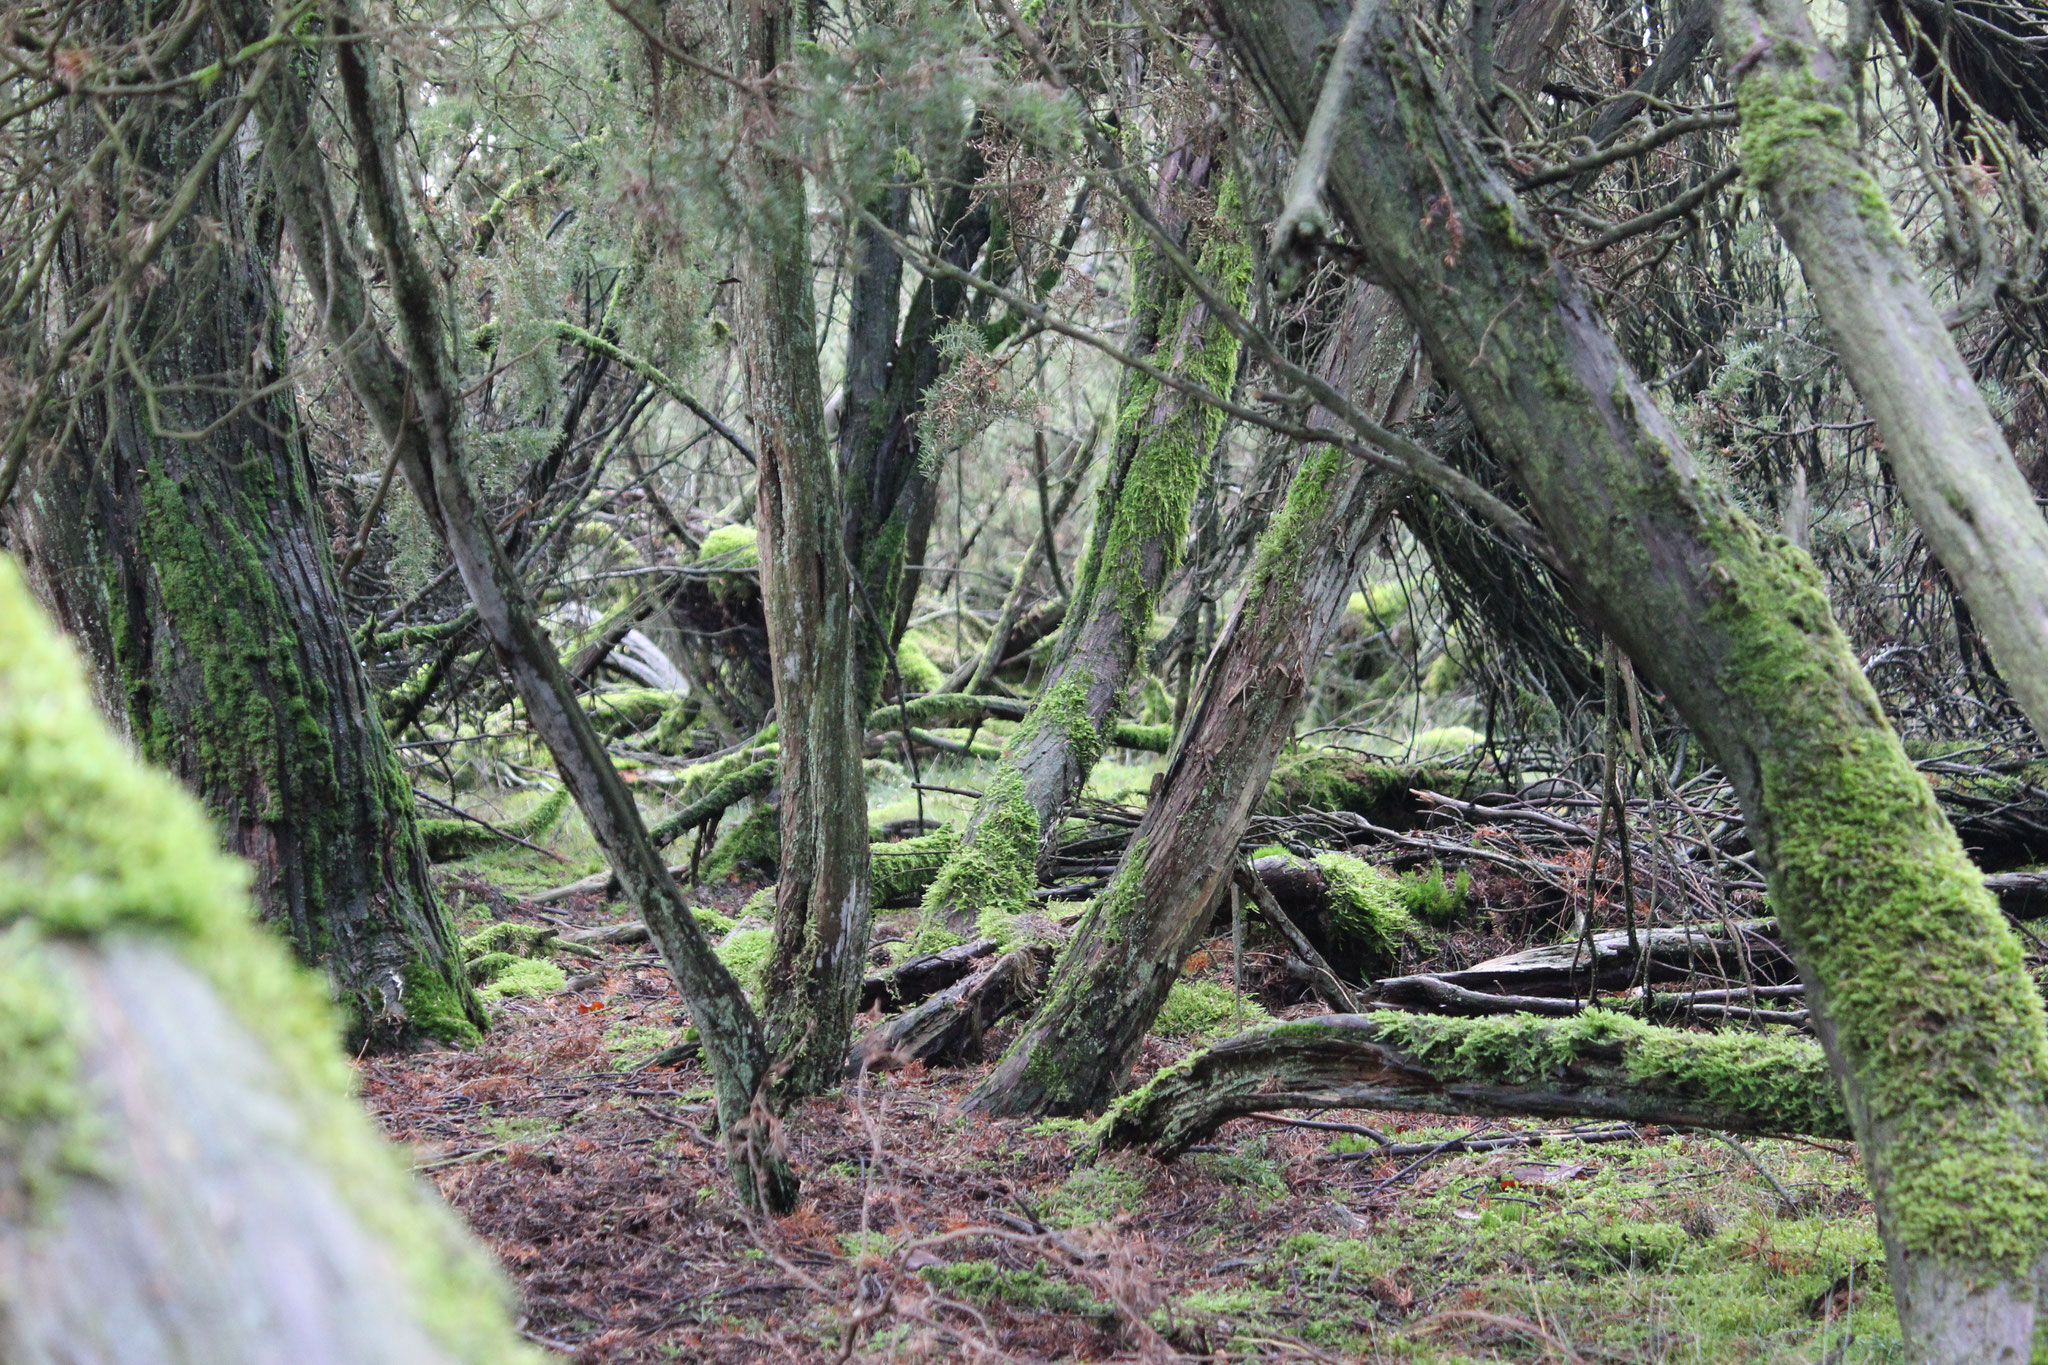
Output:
(179, 538)
(821, 899)
(1915, 982)
(1941, 442)
(1127, 950)
(416, 405)
(1163, 441)
(184, 1176)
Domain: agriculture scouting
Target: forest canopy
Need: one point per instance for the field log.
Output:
(1004, 657)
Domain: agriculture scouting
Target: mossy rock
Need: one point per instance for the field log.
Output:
(754, 844)
(1329, 778)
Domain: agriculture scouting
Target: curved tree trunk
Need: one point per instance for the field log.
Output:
(1915, 982)
(185, 1178)
(1127, 950)
(1163, 442)
(812, 983)
(1941, 442)
(178, 537)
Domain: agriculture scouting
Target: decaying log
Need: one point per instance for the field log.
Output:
(1595, 1066)
(1568, 970)
(949, 1026)
(921, 977)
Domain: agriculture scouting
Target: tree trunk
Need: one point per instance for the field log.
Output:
(1126, 953)
(1916, 983)
(1941, 442)
(185, 1177)
(179, 538)
(1163, 442)
(416, 405)
(812, 983)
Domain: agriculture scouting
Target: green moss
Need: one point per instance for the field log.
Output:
(1446, 739)
(1784, 1082)
(450, 839)
(92, 843)
(45, 1129)
(730, 547)
(901, 872)
(1293, 540)
(1201, 1009)
(759, 907)
(996, 866)
(915, 667)
(500, 976)
(1064, 706)
(435, 1006)
(1366, 911)
(744, 952)
(755, 842)
(986, 1282)
(1380, 603)
(1098, 1192)
(521, 940)
(1425, 895)
(1940, 1028)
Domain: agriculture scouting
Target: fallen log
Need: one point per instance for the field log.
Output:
(1567, 971)
(921, 977)
(949, 1025)
(1598, 1065)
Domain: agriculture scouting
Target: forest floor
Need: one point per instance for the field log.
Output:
(929, 1234)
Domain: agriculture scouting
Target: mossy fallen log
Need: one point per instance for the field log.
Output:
(1329, 778)
(1597, 1065)
(447, 840)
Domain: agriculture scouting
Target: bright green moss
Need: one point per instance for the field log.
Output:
(1380, 603)
(1447, 739)
(1319, 778)
(1200, 1009)
(755, 842)
(733, 547)
(901, 872)
(504, 936)
(450, 839)
(997, 866)
(1798, 139)
(986, 1282)
(1367, 911)
(45, 1131)
(1292, 540)
(501, 976)
(1064, 706)
(435, 1007)
(744, 952)
(93, 843)
(915, 666)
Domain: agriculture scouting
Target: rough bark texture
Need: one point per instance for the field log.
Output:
(1916, 984)
(415, 404)
(185, 1177)
(1163, 442)
(1948, 453)
(178, 538)
(1596, 1066)
(1126, 953)
(821, 898)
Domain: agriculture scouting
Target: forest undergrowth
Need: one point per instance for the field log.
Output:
(585, 1158)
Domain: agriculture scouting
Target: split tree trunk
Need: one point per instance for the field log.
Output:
(415, 404)
(1163, 442)
(1126, 953)
(179, 539)
(812, 982)
(1915, 982)
(1941, 442)
(185, 1176)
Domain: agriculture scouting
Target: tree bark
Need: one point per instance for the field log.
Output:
(1126, 953)
(1948, 453)
(822, 913)
(178, 537)
(1915, 982)
(1163, 442)
(415, 404)
(185, 1176)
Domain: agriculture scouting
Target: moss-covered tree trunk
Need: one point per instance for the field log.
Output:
(179, 538)
(812, 983)
(1126, 952)
(1163, 442)
(184, 1175)
(416, 404)
(1915, 982)
(1941, 441)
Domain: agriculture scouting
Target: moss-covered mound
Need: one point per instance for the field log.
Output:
(1328, 778)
